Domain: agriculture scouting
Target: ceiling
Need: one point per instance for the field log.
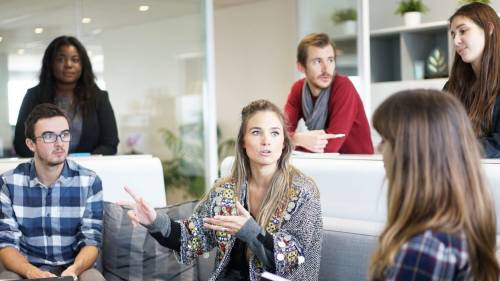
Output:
(19, 18)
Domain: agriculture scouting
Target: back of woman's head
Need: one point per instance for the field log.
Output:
(432, 162)
(478, 93)
(85, 86)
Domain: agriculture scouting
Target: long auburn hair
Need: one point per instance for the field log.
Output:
(281, 179)
(478, 94)
(85, 89)
(435, 181)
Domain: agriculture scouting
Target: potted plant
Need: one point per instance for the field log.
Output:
(346, 18)
(184, 170)
(412, 11)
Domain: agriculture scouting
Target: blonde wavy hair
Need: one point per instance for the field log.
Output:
(434, 178)
(281, 179)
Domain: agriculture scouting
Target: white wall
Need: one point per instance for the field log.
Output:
(382, 11)
(254, 57)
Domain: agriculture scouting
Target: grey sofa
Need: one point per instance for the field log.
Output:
(130, 253)
(346, 249)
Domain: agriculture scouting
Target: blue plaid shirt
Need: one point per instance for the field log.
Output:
(49, 225)
(432, 256)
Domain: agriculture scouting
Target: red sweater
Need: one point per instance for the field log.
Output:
(346, 115)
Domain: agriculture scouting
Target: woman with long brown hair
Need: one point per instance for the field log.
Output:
(475, 75)
(441, 222)
(266, 216)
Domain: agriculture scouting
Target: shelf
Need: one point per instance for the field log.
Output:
(399, 29)
(397, 53)
(347, 57)
(344, 37)
(385, 58)
(423, 83)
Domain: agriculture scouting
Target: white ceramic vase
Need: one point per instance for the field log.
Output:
(412, 18)
(349, 27)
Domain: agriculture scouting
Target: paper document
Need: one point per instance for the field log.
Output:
(269, 276)
(314, 154)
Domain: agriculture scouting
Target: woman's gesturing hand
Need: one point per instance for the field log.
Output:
(229, 224)
(141, 212)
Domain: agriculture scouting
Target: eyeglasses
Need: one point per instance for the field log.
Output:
(51, 137)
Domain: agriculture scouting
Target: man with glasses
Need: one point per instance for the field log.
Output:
(51, 208)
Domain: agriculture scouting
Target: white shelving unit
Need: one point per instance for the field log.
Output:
(394, 52)
(347, 58)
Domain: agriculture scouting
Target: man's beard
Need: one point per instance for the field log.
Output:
(51, 163)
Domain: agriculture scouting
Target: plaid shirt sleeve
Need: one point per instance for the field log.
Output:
(429, 256)
(90, 233)
(9, 230)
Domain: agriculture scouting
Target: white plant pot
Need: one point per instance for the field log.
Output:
(349, 27)
(412, 18)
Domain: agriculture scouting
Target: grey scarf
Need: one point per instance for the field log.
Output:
(315, 114)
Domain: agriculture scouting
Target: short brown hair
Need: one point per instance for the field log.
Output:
(41, 111)
(319, 40)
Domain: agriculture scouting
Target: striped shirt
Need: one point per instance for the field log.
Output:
(432, 256)
(49, 225)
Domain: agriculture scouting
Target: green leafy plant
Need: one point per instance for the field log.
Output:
(406, 6)
(185, 167)
(342, 15)
(472, 1)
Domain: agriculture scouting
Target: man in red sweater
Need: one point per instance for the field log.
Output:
(328, 103)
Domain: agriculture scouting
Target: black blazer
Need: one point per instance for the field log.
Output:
(99, 131)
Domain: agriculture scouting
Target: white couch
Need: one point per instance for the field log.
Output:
(353, 198)
(142, 173)
(129, 253)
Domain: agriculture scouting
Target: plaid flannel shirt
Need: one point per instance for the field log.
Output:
(433, 256)
(49, 225)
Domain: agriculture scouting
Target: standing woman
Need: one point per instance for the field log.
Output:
(265, 216)
(475, 75)
(67, 80)
(441, 222)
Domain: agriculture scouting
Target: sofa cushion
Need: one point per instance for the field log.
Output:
(347, 248)
(345, 256)
(130, 253)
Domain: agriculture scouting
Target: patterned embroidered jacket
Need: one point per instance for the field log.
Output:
(296, 229)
